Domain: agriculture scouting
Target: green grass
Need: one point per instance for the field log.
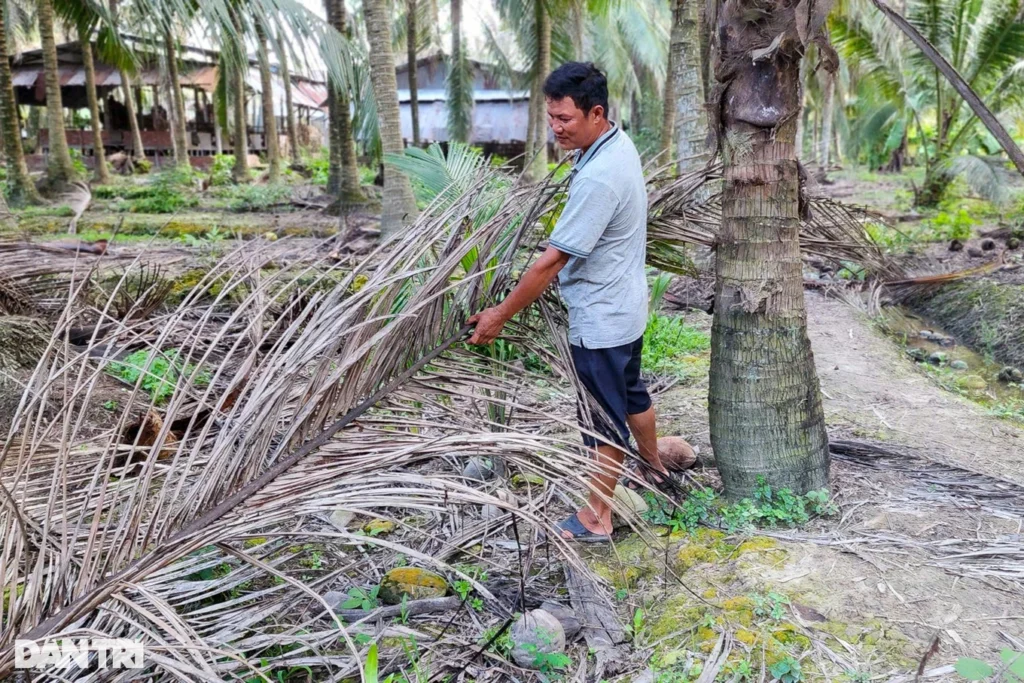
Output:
(39, 211)
(242, 198)
(160, 372)
(674, 348)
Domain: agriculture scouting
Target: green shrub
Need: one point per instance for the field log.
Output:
(39, 211)
(319, 167)
(164, 370)
(78, 163)
(670, 344)
(254, 197)
(944, 227)
(220, 170)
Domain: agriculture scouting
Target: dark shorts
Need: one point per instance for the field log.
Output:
(612, 376)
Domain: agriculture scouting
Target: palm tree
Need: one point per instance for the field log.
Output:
(983, 41)
(411, 50)
(99, 156)
(684, 124)
(537, 137)
(764, 401)
(286, 78)
(21, 190)
(59, 168)
(399, 203)
(459, 83)
(237, 65)
(343, 177)
(267, 96)
(179, 136)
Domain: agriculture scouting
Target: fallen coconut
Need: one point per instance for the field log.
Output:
(676, 454)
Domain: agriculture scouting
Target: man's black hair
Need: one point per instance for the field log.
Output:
(583, 82)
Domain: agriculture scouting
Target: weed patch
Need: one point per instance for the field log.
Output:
(160, 372)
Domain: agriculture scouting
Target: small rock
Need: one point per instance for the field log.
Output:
(917, 354)
(340, 519)
(945, 341)
(958, 365)
(335, 598)
(1011, 374)
(412, 581)
(1013, 243)
(937, 358)
(483, 469)
(630, 502)
(489, 512)
(566, 617)
(676, 454)
(536, 632)
(926, 334)
(974, 252)
(270, 236)
(956, 245)
(379, 527)
(971, 383)
(988, 244)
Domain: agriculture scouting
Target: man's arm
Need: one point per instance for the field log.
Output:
(533, 283)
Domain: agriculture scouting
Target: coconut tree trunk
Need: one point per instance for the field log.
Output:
(399, 204)
(21, 191)
(410, 46)
(267, 97)
(289, 119)
(825, 141)
(460, 106)
(536, 153)
(764, 401)
(177, 102)
(102, 175)
(138, 150)
(59, 167)
(240, 171)
(689, 123)
(343, 174)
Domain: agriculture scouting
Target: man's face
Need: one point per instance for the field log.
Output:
(573, 129)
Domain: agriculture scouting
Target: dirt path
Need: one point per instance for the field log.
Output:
(873, 391)
(916, 553)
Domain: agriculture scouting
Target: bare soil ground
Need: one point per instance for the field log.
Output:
(917, 552)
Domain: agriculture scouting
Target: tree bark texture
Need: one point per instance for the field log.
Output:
(537, 149)
(59, 167)
(138, 150)
(20, 188)
(689, 116)
(289, 118)
(267, 97)
(764, 401)
(399, 205)
(99, 156)
(178, 132)
(343, 173)
(410, 45)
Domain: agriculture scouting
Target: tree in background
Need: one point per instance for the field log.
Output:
(286, 78)
(684, 129)
(399, 204)
(179, 135)
(459, 83)
(59, 169)
(764, 400)
(21, 190)
(267, 98)
(902, 100)
(343, 172)
(412, 48)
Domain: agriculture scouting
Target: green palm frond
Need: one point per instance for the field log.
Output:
(438, 174)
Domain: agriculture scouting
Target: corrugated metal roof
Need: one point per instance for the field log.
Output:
(434, 95)
(306, 94)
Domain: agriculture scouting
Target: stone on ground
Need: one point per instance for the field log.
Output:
(483, 469)
(566, 617)
(413, 582)
(971, 383)
(536, 633)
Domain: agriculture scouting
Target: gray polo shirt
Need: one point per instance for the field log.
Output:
(603, 227)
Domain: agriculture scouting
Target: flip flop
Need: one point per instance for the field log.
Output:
(580, 533)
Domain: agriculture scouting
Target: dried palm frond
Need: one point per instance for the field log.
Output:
(346, 403)
(23, 342)
(687, 211)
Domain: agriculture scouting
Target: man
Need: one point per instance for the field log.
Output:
(597, 250)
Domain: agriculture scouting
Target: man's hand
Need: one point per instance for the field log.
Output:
(488, 325)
